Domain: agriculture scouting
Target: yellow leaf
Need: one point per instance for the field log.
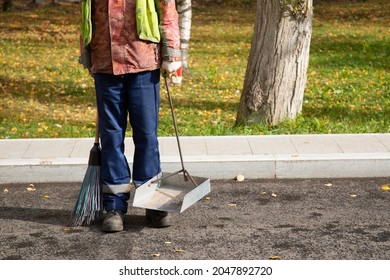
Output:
(156, 255)
(275, 258)
(353, 195)
(328, 184)
(168, 242)
(5, 190)
(207, 198)
(385, 188)
(232, 204)
(179, 251)
(45, 196)
(274, 195)
(263, 193)
(67, 229)
(31, 189)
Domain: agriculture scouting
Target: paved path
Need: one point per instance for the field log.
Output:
(216, 157)
(295, 219)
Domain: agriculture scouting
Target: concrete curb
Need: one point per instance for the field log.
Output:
(214, 157)
(215, 167)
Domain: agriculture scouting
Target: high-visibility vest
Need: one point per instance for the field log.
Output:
(147, 20)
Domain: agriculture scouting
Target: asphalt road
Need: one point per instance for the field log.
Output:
(317, 219)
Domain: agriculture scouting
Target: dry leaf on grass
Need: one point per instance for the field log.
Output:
(232, 204)
(45, 196)
(353, 195)
(156, 255)
(274, 195)
(275, 258)
(207, 198)
(5, 190)
(328, 184)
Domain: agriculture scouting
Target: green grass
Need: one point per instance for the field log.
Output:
(44, 92)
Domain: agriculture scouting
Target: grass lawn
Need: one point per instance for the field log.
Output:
(44, 92)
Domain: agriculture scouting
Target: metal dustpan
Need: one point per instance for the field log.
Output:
(171, 192)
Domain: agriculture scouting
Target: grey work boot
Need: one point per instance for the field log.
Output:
(113, 222)
(158, 219)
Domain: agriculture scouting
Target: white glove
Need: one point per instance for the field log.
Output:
(171, 66)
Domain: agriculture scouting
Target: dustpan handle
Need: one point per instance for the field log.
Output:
(185, 172)
(173, 119)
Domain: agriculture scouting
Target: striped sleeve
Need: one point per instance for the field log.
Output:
(169, 29)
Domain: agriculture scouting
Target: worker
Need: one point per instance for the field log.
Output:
(124, 54)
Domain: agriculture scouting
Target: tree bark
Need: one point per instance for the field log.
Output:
(7, 5)
(184, 10)
(275, 78)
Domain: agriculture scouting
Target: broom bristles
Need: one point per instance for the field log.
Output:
(89, 203)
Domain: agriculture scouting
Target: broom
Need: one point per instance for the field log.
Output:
(89, 205)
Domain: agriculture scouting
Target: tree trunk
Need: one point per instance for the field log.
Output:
(184, 10)
(7, 5)
(276, 73)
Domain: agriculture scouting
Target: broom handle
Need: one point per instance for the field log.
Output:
(97, 131)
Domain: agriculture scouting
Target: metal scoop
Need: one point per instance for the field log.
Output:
(171, 192)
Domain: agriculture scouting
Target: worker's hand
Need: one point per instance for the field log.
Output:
(170, 66)
(174, 70)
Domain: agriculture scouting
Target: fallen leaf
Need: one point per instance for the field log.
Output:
(263, 193)
(232, 204)
(240, 178)
(168, 242)
(328, 184)
(179, 251)
(31, 188)
(45, 196)
(5, 190)
(207, 198)
(156, 255)
(353, 195)
(274, 195)
(275, 258)
(67, 229)
(385, 188)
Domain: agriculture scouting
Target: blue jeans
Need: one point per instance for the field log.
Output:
(136, 95)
